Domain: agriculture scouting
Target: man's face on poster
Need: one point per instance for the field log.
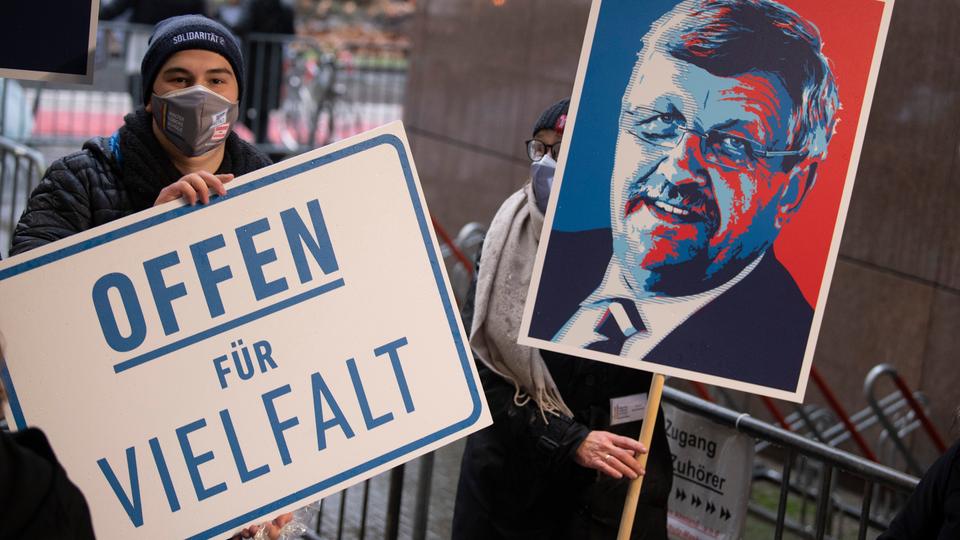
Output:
(698, 188)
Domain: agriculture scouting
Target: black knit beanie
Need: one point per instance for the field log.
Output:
(555, 117)
(186, 32)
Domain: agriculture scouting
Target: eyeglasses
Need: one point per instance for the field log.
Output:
(536, 149)
(666, 129)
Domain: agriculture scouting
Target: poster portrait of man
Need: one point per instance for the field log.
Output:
(702, 133)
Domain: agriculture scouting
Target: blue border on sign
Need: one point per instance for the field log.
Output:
(127, 230)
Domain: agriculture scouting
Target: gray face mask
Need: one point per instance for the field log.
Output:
(195, 119)
(541, 173)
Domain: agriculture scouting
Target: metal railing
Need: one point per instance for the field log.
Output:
(374, 509)
(21, 168)
(894, 433)
(799, 453)
(299, 93)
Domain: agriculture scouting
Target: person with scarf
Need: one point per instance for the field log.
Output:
(181, 143)
(552, 465)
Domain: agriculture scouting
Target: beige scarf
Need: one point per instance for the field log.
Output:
(506, 264)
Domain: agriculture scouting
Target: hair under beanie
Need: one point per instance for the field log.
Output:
(186, 32)
(555, 117)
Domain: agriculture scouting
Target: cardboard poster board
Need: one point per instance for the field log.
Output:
(200, 368)
(49, 40)
(702, 187)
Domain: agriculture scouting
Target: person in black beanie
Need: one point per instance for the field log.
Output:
(180, 143)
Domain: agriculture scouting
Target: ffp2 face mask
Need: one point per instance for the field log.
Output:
(541, 174)
(195, 119)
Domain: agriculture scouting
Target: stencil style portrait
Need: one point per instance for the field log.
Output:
(727, 115)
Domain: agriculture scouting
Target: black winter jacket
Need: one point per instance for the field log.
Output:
(933, 511)
(111, 177)
(37, 500)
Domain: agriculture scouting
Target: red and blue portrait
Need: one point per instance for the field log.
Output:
(697, 212)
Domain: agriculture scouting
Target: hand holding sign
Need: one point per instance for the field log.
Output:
(611, 454)
(194, 186)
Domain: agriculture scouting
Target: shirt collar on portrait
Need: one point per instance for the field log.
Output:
(660, 314)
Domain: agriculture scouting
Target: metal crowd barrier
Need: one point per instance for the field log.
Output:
(21, 169)
(800, 453)
(310, 95)
(893, 429)
(300, 93)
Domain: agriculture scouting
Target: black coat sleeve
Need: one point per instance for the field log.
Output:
(549, 439)
(37, 500)
(57, 208)
(933, 510)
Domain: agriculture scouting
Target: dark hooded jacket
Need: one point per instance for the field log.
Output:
(37, 500)
(111, 177)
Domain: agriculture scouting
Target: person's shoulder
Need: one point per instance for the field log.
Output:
(579, 255)
(573, 267)
(779, 287)
(246, 157)
(952, 458)
(768, 293)
(508, 208)
(589, 239)
(95, 154)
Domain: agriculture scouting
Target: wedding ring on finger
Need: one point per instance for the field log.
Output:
(606, 458)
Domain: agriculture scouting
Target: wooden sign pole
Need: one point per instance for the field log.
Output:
(646, 436)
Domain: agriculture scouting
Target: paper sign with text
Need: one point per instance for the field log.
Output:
(712, 474)
(200, 368)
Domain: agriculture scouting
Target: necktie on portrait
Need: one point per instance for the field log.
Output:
(619, 321)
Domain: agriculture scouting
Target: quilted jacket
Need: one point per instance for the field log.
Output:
(111, 177)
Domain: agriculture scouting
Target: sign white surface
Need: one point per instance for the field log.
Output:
(200, 368)
(712, 468)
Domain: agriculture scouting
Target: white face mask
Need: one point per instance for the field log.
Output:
(195, 119)
(541, 174)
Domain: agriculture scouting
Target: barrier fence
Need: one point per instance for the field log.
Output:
(21, 168)
(824, 467)
(299, 94)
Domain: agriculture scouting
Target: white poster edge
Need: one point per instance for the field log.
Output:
(796, 396)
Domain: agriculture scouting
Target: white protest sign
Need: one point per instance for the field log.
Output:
(712, 473)
(200, 368)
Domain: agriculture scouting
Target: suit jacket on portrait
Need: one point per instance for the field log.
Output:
(756, 332)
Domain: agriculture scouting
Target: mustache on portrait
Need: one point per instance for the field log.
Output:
(690, 197)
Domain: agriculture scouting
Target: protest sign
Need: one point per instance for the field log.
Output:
(49, 40)
(702, 186)
(712, 473)
(198, 368)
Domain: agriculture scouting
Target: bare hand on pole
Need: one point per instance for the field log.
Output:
(611, 454)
